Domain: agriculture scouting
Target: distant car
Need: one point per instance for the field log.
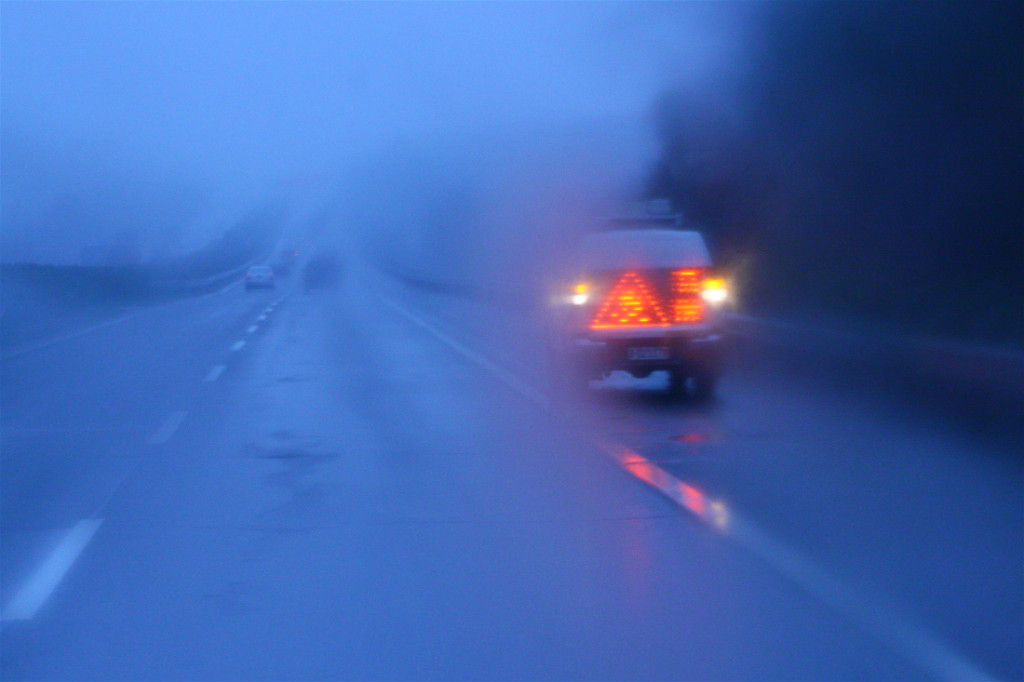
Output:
(644, 299)
(259, 276)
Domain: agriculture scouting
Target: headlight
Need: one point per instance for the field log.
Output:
(714, 291)
(580, 294)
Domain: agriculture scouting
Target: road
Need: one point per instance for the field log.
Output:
(380, 482)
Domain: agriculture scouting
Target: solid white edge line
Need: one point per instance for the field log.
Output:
(215, 373)
(237, 282)
(167, 429)
(252, 328)
(508, 378)
(67, 337)
(238, 345)
(41, 585)
(898, 633)
(40, 345)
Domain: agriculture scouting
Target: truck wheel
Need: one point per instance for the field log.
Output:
(704, 385)
(676, 383)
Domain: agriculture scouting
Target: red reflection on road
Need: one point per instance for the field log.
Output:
(691, 498)
(690, 437)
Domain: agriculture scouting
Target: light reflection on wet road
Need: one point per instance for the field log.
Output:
(353, 496)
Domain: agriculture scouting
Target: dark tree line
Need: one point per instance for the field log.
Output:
(872, 165)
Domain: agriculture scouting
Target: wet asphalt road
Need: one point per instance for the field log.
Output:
(381, 483)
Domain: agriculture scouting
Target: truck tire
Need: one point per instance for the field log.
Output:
(703, 385)
(677, 383)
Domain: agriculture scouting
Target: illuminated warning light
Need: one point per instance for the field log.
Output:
(687, 305)
(632, 302)
(687, 311)
(686, 282)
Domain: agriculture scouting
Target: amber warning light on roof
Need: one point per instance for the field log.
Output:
(634, 302)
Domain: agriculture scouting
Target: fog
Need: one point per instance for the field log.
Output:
(795, 135)
(186, 111)
(428, 442)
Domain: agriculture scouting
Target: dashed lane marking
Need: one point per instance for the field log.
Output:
(167, 429)
(251, 329)
(44, 581)
(261, 318)
(237, 346)
(215, 373)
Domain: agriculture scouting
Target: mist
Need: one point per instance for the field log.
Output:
(319, 360)
(185, 111)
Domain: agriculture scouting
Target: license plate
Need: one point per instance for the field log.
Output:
(647, 353)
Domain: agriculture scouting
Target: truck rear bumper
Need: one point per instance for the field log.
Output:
(698, 353)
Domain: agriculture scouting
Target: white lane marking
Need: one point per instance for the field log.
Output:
(72, 429)
(215, 373)
(268, 310)
(261, 318)
(898, 633)
(506, 377)
(167, 429)
(106, 323)
(236, 283)
(238, 345)
(251, 329)
(42, 584)
(690, 498)
(67, 337)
